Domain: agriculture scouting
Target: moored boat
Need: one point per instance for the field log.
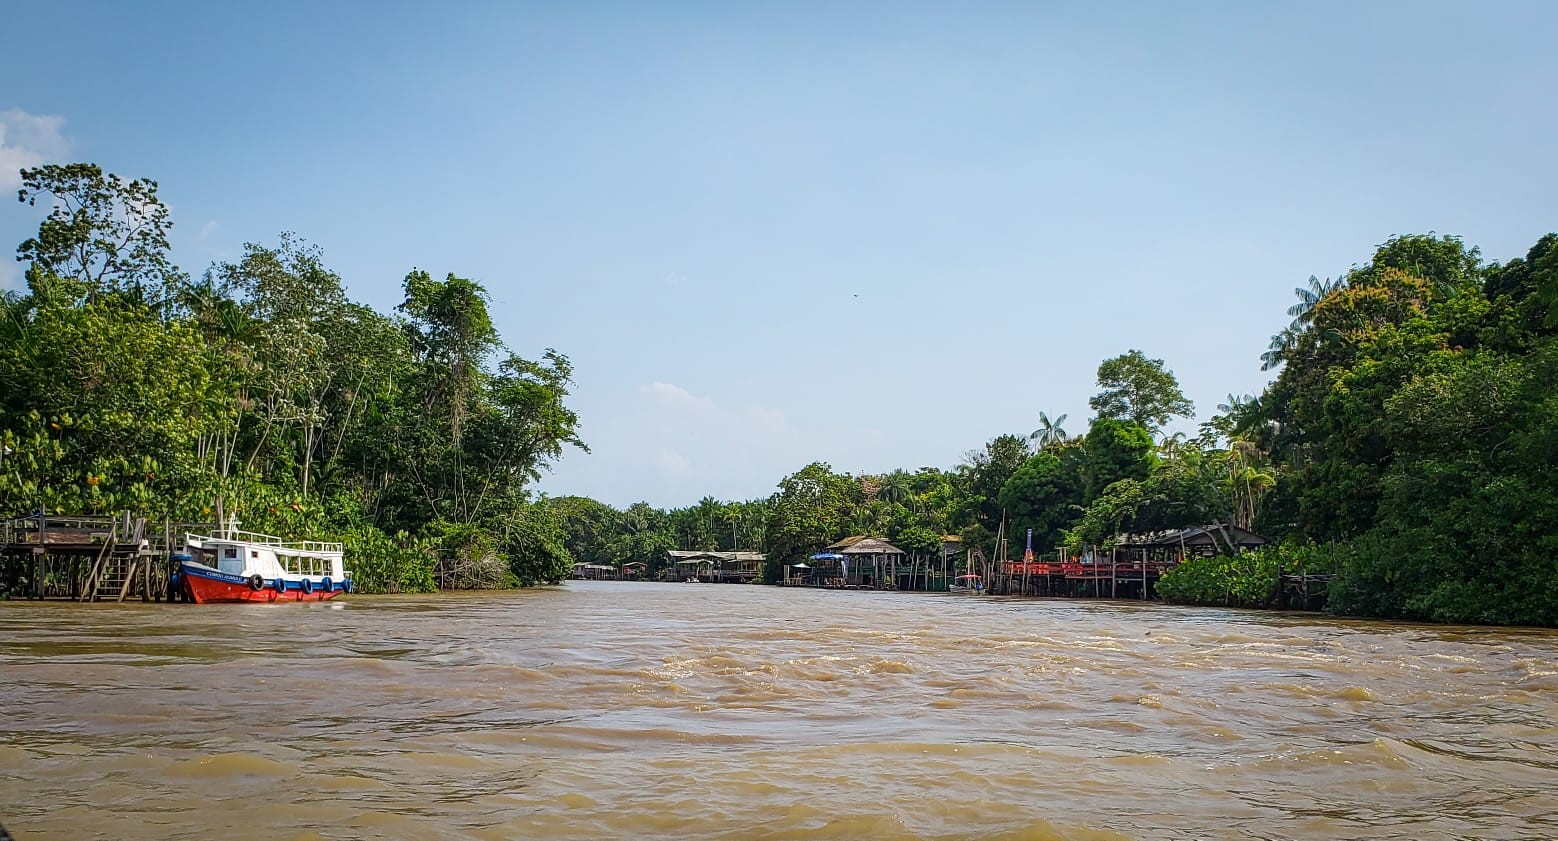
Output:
(242, 566)
(967, 585)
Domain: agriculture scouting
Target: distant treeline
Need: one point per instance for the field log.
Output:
(1407, 444)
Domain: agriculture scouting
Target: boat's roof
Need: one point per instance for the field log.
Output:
(275, 544)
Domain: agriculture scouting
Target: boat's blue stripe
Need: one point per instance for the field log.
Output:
(238, 579)
(215, 576)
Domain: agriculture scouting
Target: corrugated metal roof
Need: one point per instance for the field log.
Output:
(872, 546)
(1171, 537)
(694, 554)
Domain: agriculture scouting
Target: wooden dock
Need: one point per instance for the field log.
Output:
(87, 559)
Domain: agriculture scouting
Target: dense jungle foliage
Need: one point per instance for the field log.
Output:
(127, 384)
(1407, 443)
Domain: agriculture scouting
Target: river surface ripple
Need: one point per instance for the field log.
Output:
(608, 710)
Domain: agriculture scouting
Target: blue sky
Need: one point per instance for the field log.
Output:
(875, 234)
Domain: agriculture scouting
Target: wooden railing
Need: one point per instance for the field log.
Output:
(40, 530)
(1018, 568)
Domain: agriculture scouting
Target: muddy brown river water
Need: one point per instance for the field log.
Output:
(678, 711)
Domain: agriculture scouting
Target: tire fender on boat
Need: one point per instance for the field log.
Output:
(346, 585)
(256, 583)
(280, 585)
(307, 586)
(326, 584)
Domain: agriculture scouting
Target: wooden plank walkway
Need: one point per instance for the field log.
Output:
(88, 559)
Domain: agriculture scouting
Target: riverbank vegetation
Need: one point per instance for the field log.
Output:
(1406, 443)
(259, 387)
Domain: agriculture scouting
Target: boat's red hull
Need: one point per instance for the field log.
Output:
(205, 590)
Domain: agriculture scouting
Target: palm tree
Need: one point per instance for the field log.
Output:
(733, 516)
(1249, 478)
(872, 516)
(1169, 446)
(697, 524)
(1282, 344)
(1242, 410)
(894, 487)
(1049, 432)
(1303, 313)
(1309, 297)
(1236, 402)
(757, 517)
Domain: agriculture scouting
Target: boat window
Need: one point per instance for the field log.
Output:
(304, 565)
(230, 552)
(254, 553)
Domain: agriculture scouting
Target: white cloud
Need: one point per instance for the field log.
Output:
(27, 140)
(671, 394)
(208, 229)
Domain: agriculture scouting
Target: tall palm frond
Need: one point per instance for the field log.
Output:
(1282, 344)
(894, 487)
(1049, 432)
(1309, 297)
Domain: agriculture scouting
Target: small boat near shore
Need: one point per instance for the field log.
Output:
(967, 585)
(240, 566)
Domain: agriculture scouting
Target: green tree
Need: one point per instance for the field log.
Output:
(645, 537)
(105, 405)
(1114, 450)
(102, 234)
(983, 474)
(588, 528)
(1045, 494)
(809, 511)
(452, 337)
(1175, 496)
(535, 546)
(470, 438)
(1139, 390)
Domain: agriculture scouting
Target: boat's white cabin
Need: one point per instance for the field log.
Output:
(246, 554)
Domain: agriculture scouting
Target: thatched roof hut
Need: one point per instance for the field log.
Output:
(863, 545)
(871, 546)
